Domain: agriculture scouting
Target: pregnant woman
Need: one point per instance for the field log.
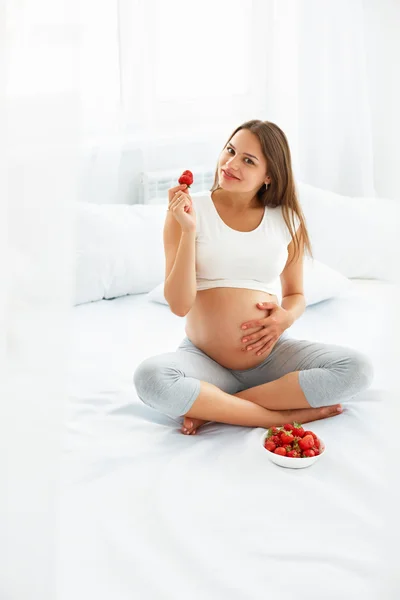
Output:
(230, 253)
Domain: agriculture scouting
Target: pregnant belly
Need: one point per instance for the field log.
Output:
(214, 325)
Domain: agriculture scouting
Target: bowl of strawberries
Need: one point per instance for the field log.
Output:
(292, 446)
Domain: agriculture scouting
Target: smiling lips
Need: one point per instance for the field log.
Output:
(229, 175)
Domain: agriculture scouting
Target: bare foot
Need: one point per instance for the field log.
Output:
(190, 425)
(305, 415)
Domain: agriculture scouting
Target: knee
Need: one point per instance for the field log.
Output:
(344, 375)
(356, 372)
(362, 370)
(155, 381)
(146, 376)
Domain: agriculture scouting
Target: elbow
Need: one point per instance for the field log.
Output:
(180, 310)
(180, 313)
(178, 304)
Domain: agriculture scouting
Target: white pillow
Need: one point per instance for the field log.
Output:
(118, 250)
(355, 236)
(320, 283)
(119, 247)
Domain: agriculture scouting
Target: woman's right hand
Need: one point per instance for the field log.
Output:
(178, 199)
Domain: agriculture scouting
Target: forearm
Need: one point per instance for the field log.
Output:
(295, 305)
(180, 287)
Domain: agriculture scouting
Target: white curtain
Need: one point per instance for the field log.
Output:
(320, 92)
(39, 118)
(157, 73)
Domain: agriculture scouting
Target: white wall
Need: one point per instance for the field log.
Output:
(383, 55)
(111, 164)
(110, 171)
(37, 194)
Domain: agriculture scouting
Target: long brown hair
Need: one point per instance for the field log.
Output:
(282, 190)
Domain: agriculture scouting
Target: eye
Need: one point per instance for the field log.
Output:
(251, 162)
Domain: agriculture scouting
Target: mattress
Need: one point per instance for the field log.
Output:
(149, 513)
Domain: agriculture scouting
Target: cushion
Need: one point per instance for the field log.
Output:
(119, 250)
(119, 247)
(320, 283)
(355, 236)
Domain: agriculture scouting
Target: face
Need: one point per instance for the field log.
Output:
(243, 158)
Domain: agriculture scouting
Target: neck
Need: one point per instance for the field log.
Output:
(240, 201)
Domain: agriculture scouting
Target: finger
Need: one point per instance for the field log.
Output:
(265, 305)
(177, 196)
(254, 337)
(253, 324)
(176, 203)
(174, 190)
(270, 344)
(257, 339)
(256, 345)
(182, 195)
(260, 352)
(265, 345)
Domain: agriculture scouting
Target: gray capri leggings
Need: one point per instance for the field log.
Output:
(170, 382)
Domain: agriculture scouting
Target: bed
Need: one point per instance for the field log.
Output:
(152, 514)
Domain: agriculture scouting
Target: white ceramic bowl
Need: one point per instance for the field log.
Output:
(288, 461)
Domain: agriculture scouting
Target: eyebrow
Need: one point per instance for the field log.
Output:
(252, 155)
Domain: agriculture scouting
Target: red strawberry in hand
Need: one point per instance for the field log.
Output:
(186, 178)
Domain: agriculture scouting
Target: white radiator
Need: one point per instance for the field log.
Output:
(155, 184)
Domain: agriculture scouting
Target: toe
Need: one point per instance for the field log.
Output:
(187, 426)
(333, 410)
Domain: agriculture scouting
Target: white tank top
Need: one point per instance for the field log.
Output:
(226, 257)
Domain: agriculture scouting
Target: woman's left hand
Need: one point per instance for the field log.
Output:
(272, 328)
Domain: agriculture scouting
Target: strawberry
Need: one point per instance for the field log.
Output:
(288, 427)
(276, 439)
(293, 454)
(298, 430)
(306, 442)
(270, 445)
(273, 431)
(286, 437)
(186, 177)
(280, 450)
(296, 445)
(308, 453)
(310, 433)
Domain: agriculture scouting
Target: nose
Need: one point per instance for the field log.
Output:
(230, 164)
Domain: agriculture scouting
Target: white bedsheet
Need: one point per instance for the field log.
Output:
(149, 513)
